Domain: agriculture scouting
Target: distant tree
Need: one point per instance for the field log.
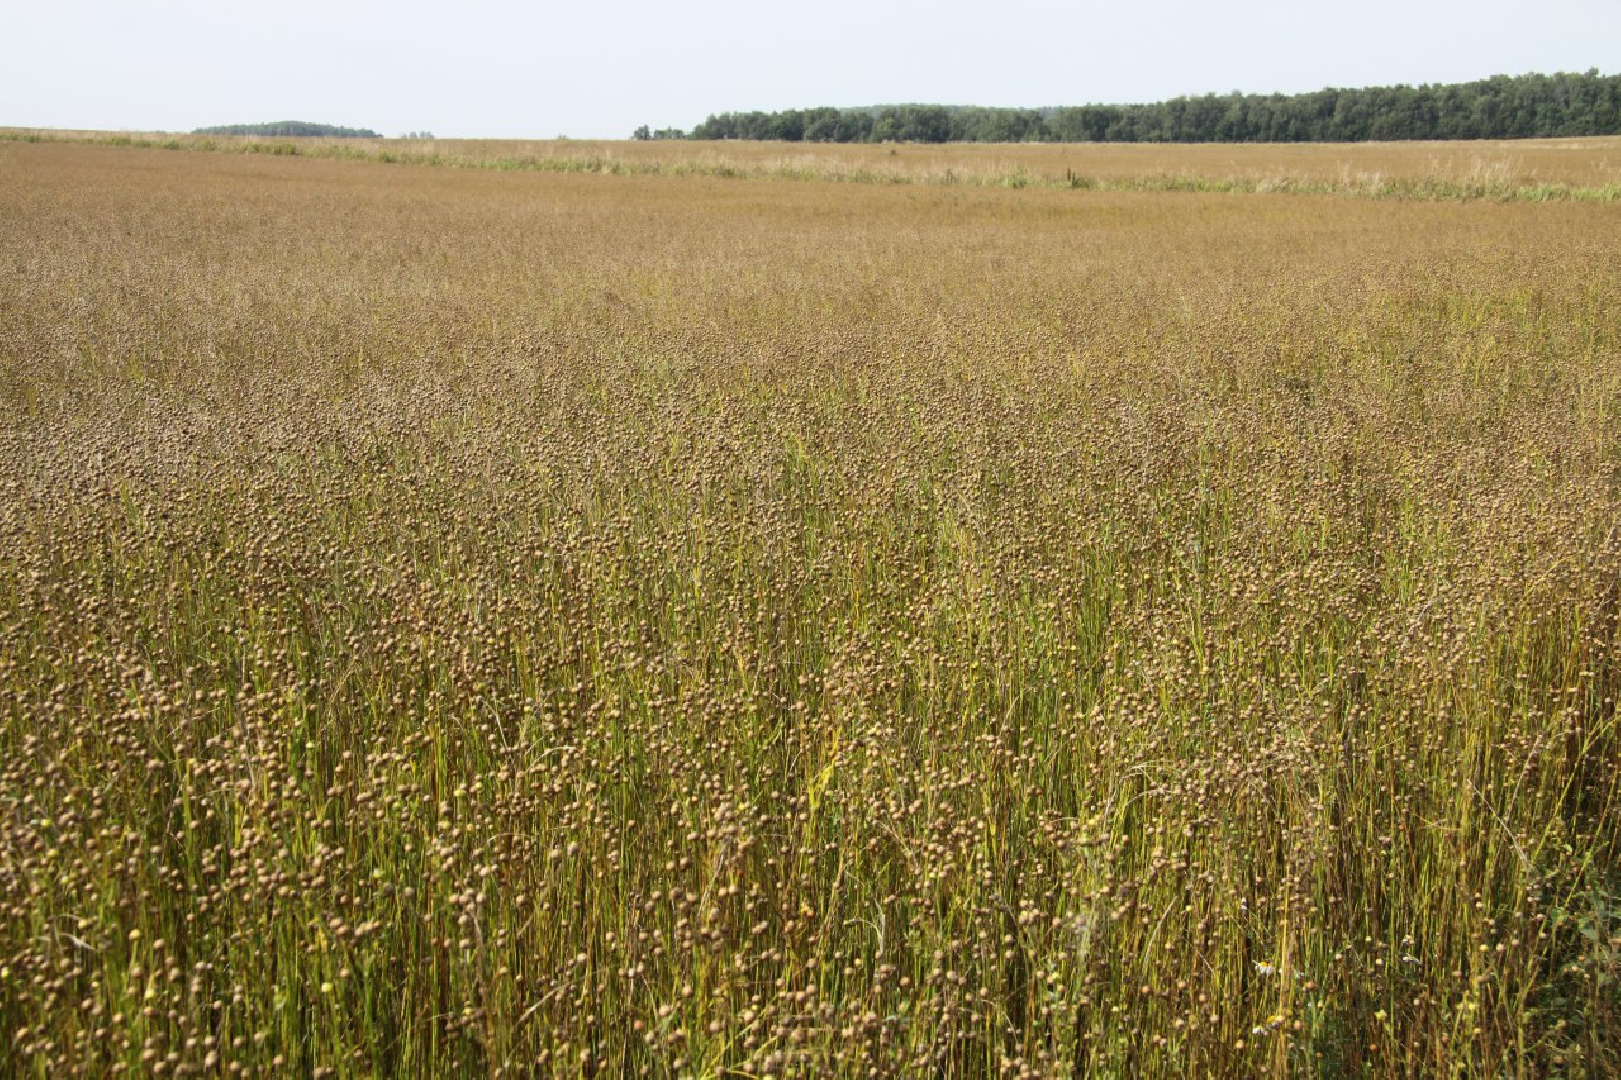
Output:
(786, 126)
(642, 134)
(821, 125)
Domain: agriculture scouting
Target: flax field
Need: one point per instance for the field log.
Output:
(479, 622)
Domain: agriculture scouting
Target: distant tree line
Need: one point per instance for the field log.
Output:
(644, 133)
(294, 128)
(1502, 107)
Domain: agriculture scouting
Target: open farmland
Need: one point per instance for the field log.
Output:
(472, 622)
(1587, 169)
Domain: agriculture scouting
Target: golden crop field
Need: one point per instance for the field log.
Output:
(498, 622)
(1536, 169)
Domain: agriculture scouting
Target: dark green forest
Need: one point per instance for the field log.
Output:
(1502, 107)
(290, 128)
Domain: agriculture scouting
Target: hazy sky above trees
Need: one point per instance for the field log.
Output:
(507, 68)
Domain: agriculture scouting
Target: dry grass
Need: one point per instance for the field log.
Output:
(460, 622)
(1538, 170)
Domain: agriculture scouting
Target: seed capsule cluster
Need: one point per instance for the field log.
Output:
(464, 623)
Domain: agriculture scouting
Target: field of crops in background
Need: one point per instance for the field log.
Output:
(471, 622)
(1586, 169)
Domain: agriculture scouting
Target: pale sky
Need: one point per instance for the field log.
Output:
(497, 68)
